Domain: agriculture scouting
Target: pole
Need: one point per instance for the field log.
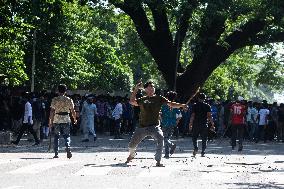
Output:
(177, 56)
(33, 62)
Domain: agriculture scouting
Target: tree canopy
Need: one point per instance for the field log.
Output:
(180, 44)
(209, 30)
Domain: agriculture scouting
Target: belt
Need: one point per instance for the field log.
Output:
(62, 113)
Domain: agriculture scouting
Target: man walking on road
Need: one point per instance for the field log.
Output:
(169, 120)
(201, 113)
(89, 113)
(238, 112)
(60, 109)
(149, 125)
(27, 121)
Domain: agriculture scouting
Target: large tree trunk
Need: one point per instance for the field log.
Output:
(165, 48)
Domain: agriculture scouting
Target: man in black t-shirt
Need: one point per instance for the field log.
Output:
(201, 113)
(149, 119)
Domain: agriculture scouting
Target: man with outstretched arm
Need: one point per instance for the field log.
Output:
(149, 125)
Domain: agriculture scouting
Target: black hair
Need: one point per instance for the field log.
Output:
(171, 95)
(62, 88)
(147, 84)
(201, 96)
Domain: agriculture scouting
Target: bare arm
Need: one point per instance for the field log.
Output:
(132, 99)
(209, 117)
(51, 117)
(176, 105)
(73, 113)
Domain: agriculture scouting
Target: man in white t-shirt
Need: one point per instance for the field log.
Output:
(116, 114)
(27, 121)
(262, 123)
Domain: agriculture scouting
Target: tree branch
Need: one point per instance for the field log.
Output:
(158, 10)
(240, 38)
(135, 10)
(183, 22)
(262, 39)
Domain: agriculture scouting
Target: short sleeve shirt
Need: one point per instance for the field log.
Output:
(238, 113)
(169, 116)
(150, 108)
(62, 104)
(200, 109)
(263, 113)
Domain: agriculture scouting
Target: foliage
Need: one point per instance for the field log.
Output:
(250, 72)
(86, 59)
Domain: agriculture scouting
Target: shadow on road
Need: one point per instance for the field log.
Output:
(256, 185)
(106, 143)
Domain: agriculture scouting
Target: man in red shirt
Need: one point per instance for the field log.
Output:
(238, 112)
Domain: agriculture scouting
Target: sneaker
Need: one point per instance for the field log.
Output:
(194, 152)
(35, 144)
(173, 148)
(158, 164)
(167, 156)
(55, 156)
(129, 158)
(202, 154)
(85, 140)
(14, 142)
(69, 154)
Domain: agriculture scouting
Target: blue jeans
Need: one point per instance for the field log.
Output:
(62, 129)
(252, 130)
(117, 127)
(168, 132)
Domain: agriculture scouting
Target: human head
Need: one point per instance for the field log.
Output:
(171, 95)
(201, 96)
(240, 98)
(26, 95)
(90, 99)
(149, 88)
(62, 88)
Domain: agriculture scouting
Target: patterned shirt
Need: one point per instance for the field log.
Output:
(62, 106)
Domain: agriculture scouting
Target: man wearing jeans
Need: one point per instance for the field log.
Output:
(150, 106)
(59, 118)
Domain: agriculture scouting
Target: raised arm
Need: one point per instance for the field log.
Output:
(132, 99)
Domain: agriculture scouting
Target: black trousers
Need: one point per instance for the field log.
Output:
(203, 132)
(237, 133)
(24, 128)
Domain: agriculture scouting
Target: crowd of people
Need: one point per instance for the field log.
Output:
(117, 116)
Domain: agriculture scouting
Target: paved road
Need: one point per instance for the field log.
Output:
(101, 165)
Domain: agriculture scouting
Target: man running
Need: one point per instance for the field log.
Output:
(149, 125)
